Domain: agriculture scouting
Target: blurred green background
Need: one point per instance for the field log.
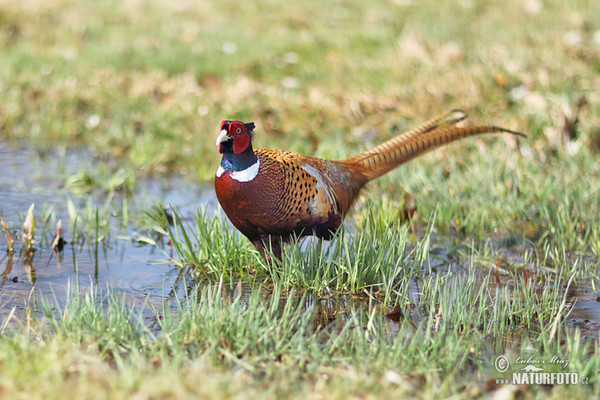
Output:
(148, 82)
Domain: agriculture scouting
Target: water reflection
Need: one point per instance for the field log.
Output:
(122, 264)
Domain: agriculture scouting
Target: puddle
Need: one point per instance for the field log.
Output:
(585, 315)
(27, 177)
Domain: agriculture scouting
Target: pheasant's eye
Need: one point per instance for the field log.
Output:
(238, 130)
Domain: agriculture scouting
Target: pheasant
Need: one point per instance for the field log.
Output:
(271, 196)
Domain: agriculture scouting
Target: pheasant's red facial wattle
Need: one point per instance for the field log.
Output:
(240, 143)
(241, 138)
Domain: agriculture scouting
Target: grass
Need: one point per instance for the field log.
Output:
(503, 231)
(378, 261)
(236, 346)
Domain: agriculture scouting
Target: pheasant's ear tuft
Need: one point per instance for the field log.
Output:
(249, 128)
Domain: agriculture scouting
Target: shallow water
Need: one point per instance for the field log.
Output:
(27, 177)
(140, 272)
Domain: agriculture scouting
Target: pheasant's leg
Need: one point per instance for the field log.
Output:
(268, 247)
(275, 246)
(261, 249)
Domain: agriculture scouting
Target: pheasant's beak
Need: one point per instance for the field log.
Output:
(223, 137)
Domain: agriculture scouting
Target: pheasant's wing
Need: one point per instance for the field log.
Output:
(313, 193)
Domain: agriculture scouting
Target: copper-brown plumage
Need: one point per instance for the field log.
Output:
(272, 195)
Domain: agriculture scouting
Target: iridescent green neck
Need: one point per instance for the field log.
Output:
(239, 162)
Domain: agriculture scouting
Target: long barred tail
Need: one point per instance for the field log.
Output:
(430, 135)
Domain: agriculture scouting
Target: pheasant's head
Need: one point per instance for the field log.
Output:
(235, 136)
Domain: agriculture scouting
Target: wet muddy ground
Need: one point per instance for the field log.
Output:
(140, 271)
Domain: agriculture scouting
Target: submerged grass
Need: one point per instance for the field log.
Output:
(89, 226)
